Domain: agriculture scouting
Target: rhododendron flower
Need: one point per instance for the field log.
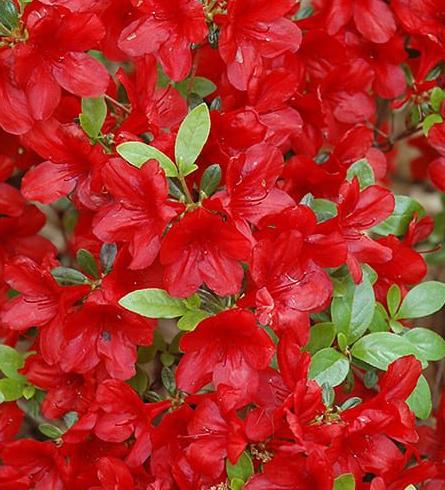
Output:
(166, 29)
(203, 248)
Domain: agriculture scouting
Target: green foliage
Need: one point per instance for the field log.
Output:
(87, 263)
(321, 336)
(420, 399)
(329, 366)
(397, 223)
(424, 299)
(93, 115)
(210, 180)
(363, 171)
(66, 276)
(345, 482)
(138, 153)
(192, 136)
(154, 303)
(241, 471)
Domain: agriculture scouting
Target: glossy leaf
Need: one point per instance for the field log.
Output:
(154, 303)
(138, 153)
(329, 366)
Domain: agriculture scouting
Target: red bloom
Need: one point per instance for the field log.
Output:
(72, 163)
(11, 418)
(227, 349)
(167, 29)
(254, 29)
(139, 212)
(106, 333)
(53, 58)
(203, 248)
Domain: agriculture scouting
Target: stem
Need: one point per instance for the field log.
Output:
(117, 104)
(186, 190)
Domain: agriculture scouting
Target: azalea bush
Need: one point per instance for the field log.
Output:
(208, 278)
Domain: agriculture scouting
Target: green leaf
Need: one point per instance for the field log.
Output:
(353, 308)
(397, 223)
(193, 302)
(192, 136)
(437, 97)
(154, 303)
(393, 299)
(139, 381)
(51, 431)
(236, 484)
(342, 341)
(108, 254)
(379, 320)
(210, 180)
(350, 403)
(321, 336)
(324, 209)
(28, 392)
(168, 380)
(10, 362)
(430, 344)
(138, 153)
(93, 115)
(12, 388)
(87, 263)
(191, 320)
(69, 277)
(327, 395)
(70, 418)
(9, 15)
(430, 121)
(243, 469)
(199, 85)
(345, 482)
(329, 366)
(420, 399)
(423, 300)
(363, 171)
(382, 348)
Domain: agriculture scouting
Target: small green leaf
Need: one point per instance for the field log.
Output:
(12, 389)
(382, 348)
(379, 320)
(329, 366)
(327, 395)
(370, 379)
(210, 180)
(243, 469)
(167, 359)
(321, 336)
(10, 362)
(430, 121)
(193, 302)
(28, 392)
(69, 277)
(437, 97)
(70, 418)
(154, 303)
(199, 85)
(345, 482)
(192, 136)
(420, 399)
(350, 403)
(236, 484)
(430, 344)
(191, 320)
(138, 153)
(139, 381)
(324, 209)
(423, 300)
(397, 223)
(92, 118)
(168, 380)
(363, 171)
(51, 431)
(9, 15)
(342, 341)
(87, 263)
(393, 299)
(108, 254)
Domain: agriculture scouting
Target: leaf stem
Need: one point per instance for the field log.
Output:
(117, 103)
(185, 188)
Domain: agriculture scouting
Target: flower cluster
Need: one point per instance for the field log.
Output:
(206, 281)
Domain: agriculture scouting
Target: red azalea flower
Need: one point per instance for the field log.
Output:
(252, 30)
(228, 349)
(72, 163)
(167, 29)
(53, 58)
(139, 212)
(106, 333)
(203, 248)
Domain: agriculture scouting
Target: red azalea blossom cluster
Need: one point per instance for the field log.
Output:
(206, 281)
